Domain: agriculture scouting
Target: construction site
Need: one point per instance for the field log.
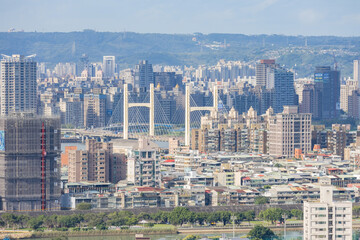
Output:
(29, 163)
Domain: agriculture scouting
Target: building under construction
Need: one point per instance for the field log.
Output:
(29, 162)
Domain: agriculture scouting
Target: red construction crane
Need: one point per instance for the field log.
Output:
(43, 168)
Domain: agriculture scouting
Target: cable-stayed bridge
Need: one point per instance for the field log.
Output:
(134, 117)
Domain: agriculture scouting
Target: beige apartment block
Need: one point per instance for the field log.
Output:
(290, 130)
(327, 219)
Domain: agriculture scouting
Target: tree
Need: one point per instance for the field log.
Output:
(297, 213)
(261, 200)
(115, 219)
(35, 223)
(10, 219)
(2, 223)
(144, 216)
(101, 226)
(249, 215)
(356, 211)
(260, 232)
(68, 221)
(21, 220)
(201, 217)
(51, 221)
(179, 215)
(164, 217)
(213, 218)
(92, 219)
(83, 206)
(272, 214)
(225, 217)
(132, 221)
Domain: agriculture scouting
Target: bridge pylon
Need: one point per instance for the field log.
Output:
(128, 105)
(189, 109)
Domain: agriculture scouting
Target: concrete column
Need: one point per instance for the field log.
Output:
(126, 112)
(187, 115)
(152, 111)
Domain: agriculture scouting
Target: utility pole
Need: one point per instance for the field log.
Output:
(233, 218)
(284, 217)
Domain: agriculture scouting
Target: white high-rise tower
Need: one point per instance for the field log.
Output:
(18, 84)
(357, 72)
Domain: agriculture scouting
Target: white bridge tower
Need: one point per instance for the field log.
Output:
(189, 109)
(128, 105)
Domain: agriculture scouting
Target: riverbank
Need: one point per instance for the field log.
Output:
(23, 234)
(14, 234)
(230, 230)
(103, 233)
(130, 232)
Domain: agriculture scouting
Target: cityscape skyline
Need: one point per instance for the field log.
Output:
(180, 133)
(248, 17)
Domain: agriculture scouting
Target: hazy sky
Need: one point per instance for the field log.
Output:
(290, 17)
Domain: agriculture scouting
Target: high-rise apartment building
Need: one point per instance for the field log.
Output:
(339, 138)
(262, 70)
(144, 75)
(327, 88)
(109, 66)
(18, 84)
(71, 112)
(97, 163)
(327, 219)
(288, 131)
(281, 82)
(167, 80)
(346, 90)
(353, 104)
(94, 110)
(307, 105)
(356, 73)
(29, 162)
(276, 86)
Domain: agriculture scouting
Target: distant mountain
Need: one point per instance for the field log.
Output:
(297, 52)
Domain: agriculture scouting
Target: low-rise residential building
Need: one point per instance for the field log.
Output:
(143, 166)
